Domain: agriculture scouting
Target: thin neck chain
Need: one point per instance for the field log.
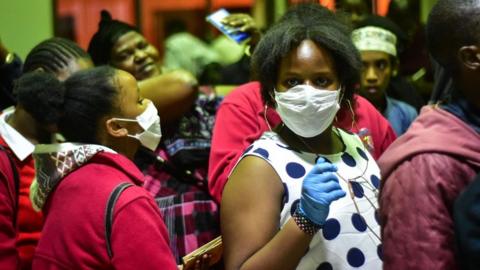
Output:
(348, 182)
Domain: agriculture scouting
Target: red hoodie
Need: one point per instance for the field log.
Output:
(29, 222)
(8, 210)
(423, 171)
(76, 192)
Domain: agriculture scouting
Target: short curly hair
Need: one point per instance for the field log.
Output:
(452, 24)
(299, 23)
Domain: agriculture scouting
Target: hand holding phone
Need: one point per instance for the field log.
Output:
(205, 256)
(236, 26)
(241, 21)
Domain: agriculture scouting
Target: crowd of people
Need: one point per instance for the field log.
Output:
(319, 158)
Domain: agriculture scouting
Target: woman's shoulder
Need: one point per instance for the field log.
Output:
(269, 143)
(111, 168)
(285, 160)
(114, 171)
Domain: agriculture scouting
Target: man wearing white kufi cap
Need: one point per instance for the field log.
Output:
(378, 50)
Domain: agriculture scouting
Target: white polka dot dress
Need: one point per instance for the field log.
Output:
(349, 238)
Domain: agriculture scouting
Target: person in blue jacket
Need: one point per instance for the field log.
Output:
(378, 50)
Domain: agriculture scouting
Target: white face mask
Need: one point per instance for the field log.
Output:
(150, 122)
(307, 111)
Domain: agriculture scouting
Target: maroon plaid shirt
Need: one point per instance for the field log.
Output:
(189, 212)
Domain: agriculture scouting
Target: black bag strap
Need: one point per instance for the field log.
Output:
(112, 199)
(185, 176)
(16, 180)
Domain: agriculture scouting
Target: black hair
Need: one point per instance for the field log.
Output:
(75, 105)
(342, 3)
(175, 26)
(387, 24)
(108, 33)
(53, 55)
(41, 95)
(306, 21)
(451, 25)
(406, 14)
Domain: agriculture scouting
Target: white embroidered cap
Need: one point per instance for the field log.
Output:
(372, 38)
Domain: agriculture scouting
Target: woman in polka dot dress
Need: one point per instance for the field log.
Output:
(277, 211)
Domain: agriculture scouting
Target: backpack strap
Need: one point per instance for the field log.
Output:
(166, 165)
(112, 199)
(16, 180)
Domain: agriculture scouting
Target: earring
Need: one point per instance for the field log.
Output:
(272, 97)
(354, 121)
(342, 93)
(265, 117)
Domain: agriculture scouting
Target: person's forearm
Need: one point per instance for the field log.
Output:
(284, 251)
(173, 94)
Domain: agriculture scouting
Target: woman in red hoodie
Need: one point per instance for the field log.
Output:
(8, 211)
(101, 112)
(22, 128)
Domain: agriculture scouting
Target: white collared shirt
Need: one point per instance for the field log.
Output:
(15, 141)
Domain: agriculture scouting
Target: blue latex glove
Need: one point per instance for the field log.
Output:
(320, 187)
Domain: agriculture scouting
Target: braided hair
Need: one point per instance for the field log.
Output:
(75, 105)
(53, 55)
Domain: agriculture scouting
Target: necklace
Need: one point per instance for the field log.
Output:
(355, 188)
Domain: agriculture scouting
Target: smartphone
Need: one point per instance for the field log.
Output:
(231, 32)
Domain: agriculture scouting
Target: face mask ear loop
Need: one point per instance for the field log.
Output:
(124, 119)
(265, 117)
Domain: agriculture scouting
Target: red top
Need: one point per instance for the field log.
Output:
(423, 172)
(8, 230)
(74, 231)
(240, 121)
(29, 221)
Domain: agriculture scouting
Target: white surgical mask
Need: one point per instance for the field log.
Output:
(307, 111)
(150, 122)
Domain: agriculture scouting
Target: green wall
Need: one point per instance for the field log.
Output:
(425, 7)
(24, 23)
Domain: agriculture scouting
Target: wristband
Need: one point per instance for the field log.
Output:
(304, 223)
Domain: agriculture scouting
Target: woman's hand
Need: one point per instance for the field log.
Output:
(244, 23)
(240, 21)
(173, 94)
(201, 263)
(320, 188)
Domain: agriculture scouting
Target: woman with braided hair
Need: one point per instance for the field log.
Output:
(104, 120)
(26, 125)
